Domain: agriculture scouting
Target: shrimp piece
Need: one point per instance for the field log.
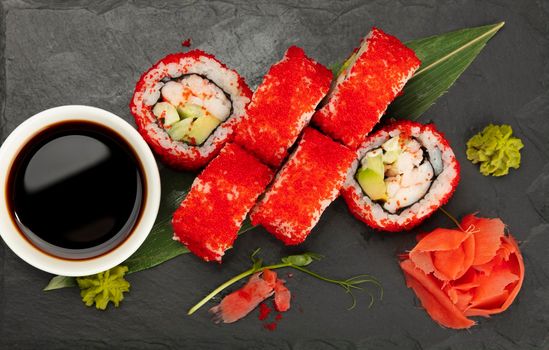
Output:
(408, 188)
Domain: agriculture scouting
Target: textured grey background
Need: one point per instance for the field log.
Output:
(79, 52)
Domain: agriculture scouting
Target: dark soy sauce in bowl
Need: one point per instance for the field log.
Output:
(75, 190)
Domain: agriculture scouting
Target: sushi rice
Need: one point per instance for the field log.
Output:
(403, 173)
(209, 217)
(186, 107)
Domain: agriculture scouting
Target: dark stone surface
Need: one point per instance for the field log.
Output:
(77, 52)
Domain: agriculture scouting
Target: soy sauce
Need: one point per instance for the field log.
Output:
(76, 190)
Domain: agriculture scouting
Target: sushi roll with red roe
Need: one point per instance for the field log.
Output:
(186, 107)
(404, 172)
(208, 220)
(282, 106)
(307, 183)
(368, 81)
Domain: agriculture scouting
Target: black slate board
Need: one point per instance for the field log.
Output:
(78, 52)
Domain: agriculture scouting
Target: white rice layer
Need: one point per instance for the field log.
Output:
(440, 187)
(149, 94)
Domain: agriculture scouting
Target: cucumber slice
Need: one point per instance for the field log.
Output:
(392, 144)
(392, 150)
(202, 128)
(346, 64)
(189, 110)
(390, 156)
(179, 131)
(164, 110)
(375, 163)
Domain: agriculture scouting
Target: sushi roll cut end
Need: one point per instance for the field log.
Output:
(185, 107)
(208, 220)
(308, 182)
(405, 172)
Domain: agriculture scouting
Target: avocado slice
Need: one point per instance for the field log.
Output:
(372, 184)
(190, 110)
(167, 112)
(202, 128)
(179, 131)
(392, 144)
(346, 64)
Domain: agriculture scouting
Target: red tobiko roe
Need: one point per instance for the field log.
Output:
(186, 42)
(264, 311)
(476, 270)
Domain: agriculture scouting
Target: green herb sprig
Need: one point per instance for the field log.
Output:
(297, 262)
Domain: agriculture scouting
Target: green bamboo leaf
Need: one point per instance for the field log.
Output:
(59, 282)
(444, 57)
(159, 245)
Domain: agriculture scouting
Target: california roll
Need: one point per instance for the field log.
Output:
(307, 183)
(186, 107)
(368, 81)
(282, 106)
(208, 219)
(403, 173)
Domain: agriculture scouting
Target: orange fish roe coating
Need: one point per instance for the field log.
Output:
(357, 103)
(209, 218)
(309, 181)
(282, 106)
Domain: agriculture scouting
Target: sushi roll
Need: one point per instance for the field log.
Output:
(208, 220)
(186, 107)
(404, 172)
(307, 183)
(369, 80)
(282, 106)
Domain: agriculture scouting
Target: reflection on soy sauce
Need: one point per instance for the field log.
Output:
(76, 190)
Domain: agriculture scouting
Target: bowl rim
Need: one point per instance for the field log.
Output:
(10, 233)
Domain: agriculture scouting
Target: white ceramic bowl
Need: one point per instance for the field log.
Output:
(60, 266)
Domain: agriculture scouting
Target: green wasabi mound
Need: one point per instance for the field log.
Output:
(104, 287)
(495, 149)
